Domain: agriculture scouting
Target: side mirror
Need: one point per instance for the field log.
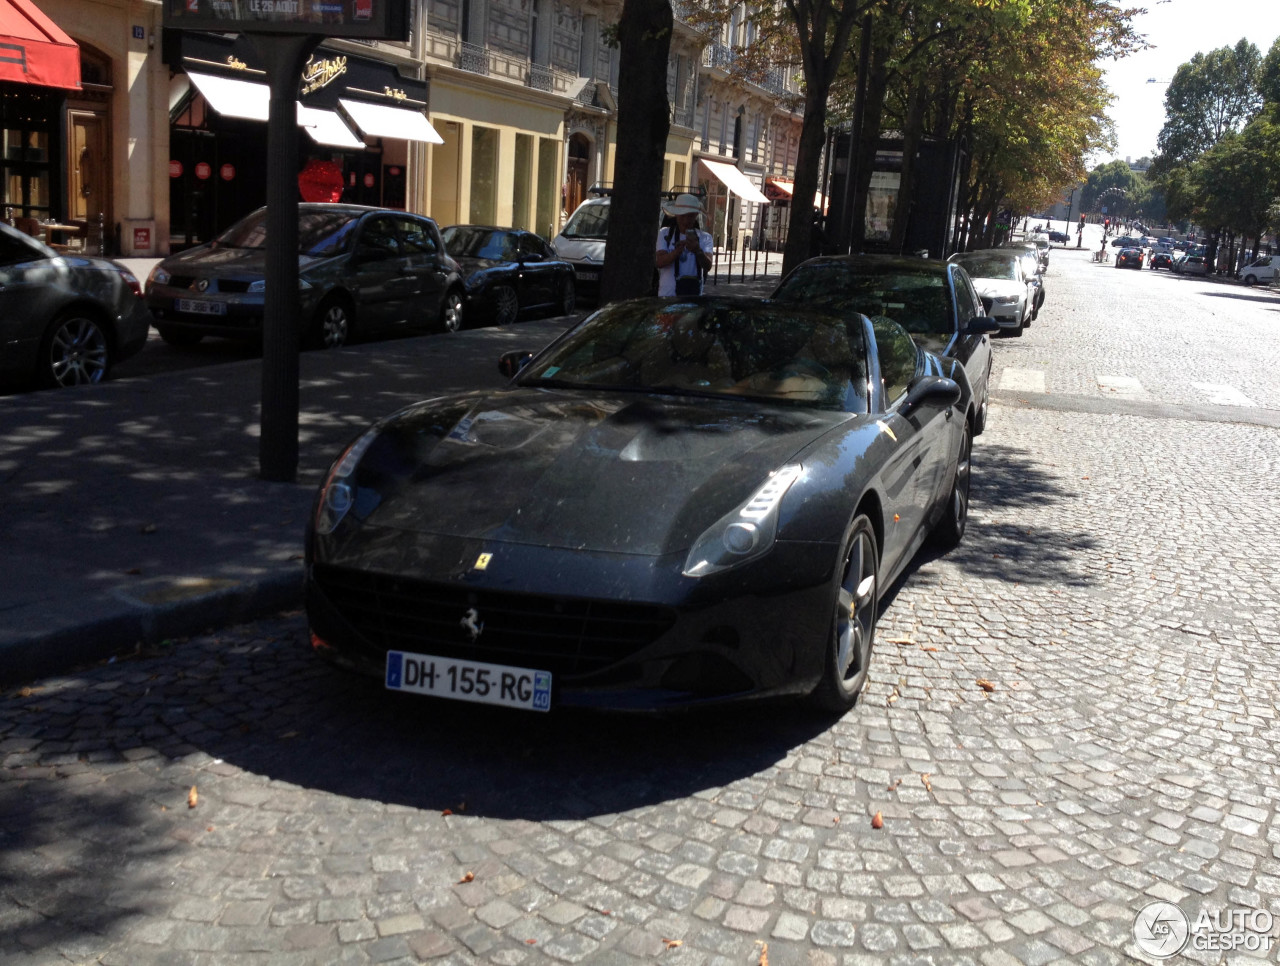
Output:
(512, 362)
(936, 391)
(980, 324)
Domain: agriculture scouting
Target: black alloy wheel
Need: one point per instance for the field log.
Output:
(853, 624)
(506, 305)
(951, 526)
(75, 352)
(566, 296)
(179, 338)
(451, 311)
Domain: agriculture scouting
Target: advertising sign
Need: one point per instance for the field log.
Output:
(365, 19)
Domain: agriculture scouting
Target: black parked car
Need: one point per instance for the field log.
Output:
(677, 501)
(65, 320)
(507, 271)
(934, 301)
(361, 270)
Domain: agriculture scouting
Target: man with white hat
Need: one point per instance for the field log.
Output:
(682, 251)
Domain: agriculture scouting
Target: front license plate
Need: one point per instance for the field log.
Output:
(197, 307)
(589, 276)
(442, 677)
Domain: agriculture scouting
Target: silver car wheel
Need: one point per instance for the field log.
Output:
(77, 352)
(451, 312)
(335, 326)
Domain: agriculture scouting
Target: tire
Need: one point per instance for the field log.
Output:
(75, 352)
(506, 305)
(1251, 280)
(332, 326)
(855, 600)
(451, 318)
(950, 528)
(980, 417)
(566, 296)
(179, 338)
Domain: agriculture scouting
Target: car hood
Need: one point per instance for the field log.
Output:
(579, 249)
(997, 287)
(627, 473)
(207, 260)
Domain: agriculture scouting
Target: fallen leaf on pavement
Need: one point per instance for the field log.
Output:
(895, 784)
(985, 685)
(469, 877)
(877, 820)
(193, 797)
(530, 942)
(928, 785)
(447, 811)
(673, 943)
(930, 648)
(764, 954)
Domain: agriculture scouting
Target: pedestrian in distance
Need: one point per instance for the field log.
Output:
(682, 251)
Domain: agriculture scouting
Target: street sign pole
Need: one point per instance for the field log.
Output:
(285, 55)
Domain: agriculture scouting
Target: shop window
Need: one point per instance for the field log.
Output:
(522, 196)
(548, 187)
(484, 175)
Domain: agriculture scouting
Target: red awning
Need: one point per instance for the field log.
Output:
(33, 50)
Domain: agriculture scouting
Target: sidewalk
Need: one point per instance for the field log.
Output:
(133, 509)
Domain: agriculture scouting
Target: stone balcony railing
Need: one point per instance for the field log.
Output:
(495, 63)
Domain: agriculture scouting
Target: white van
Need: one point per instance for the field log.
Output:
(581, 241)
(1261, 271)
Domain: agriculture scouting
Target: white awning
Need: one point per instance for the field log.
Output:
(381, 121)
(237, 98)
(735, 181)
(234, 98)
(327, 127)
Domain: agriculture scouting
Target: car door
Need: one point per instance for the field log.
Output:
(912, 476)
(28, 298)
(537, 272)
(377, 278)
(421, 246)
(973, 351)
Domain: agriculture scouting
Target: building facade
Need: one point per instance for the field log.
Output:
(507, 115)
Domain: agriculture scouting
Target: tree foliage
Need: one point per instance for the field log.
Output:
(1209, 96)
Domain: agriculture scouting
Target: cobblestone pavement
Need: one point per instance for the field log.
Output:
(229, 799)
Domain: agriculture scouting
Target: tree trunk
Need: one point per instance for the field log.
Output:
(644, 118)
(813, 131)
(910, 143)
(868, 140)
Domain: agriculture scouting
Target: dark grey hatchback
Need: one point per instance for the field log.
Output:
(360, 270)
(65, 320)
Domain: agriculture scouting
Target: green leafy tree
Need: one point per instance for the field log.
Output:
(1269, 75)
(1210, 95)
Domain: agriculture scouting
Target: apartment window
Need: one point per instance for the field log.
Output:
(484, 175)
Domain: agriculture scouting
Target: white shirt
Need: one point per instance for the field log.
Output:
(686, 262)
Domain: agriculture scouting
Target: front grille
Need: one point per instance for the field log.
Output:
(565, 636)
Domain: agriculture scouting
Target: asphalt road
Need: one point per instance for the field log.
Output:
(228, 799)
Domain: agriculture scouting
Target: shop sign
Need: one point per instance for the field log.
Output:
(227, 172)
(203, 170)
(321, 73)
(175, 169)
(141, 239)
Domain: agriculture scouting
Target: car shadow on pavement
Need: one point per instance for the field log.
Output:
(1272, 298)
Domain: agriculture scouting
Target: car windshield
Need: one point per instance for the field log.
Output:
(917, 299)
(467, 240)
(730, 348)
(990, 266)
(320, 232)
(589, 221)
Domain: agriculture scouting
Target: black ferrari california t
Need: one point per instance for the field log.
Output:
(675, 502)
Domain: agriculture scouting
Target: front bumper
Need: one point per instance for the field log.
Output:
(233, 316)
(615, 631)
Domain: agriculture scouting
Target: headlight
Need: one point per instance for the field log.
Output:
(745, 533)
(261, 285)
(338, 493)
(158, 276)
(1008, 299)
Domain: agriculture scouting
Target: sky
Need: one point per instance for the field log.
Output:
(1177, 31)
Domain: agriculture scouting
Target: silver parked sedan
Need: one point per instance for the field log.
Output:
(65, 320)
